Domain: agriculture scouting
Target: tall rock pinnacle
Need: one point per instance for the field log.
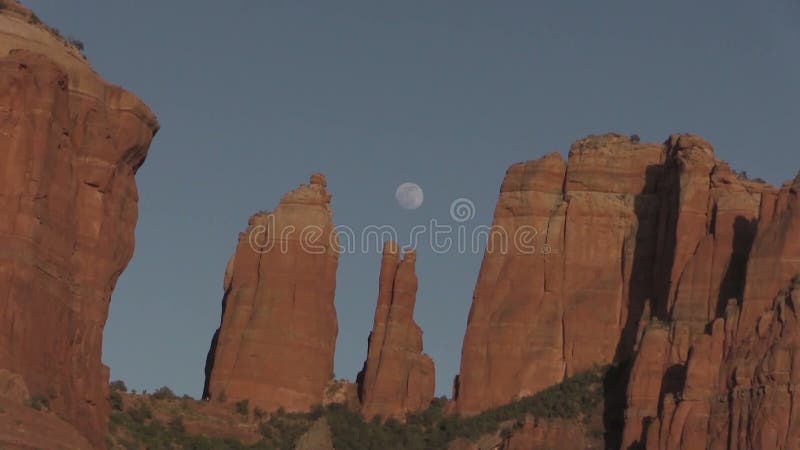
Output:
(276, 342)
(397, 377)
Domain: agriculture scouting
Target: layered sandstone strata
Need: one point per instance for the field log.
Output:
(731, 383)
(275, 345)
(397, 377)
(70, 145)
(620, 229)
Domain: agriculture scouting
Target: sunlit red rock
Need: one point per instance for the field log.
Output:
(622, 230)
(734, 378)
(539, 315)
(397, 377)
(275, 345)
(70, 146)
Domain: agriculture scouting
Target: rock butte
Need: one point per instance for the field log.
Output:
(70, 145)
(275, 345)
(654, 253)
(397, 377)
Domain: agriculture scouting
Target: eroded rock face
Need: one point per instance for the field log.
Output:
(275, 345)
(536, 316)
(397, 377)
(622, 228)
(70, 145)
(730, 381)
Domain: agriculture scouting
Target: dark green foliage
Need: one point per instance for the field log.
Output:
(77, 43)
(259, 414)
(242, 407)
(118, 385)
(39, 402)
(116, 400)
(176, 425)
(283, 429)
(155, 435)
(140, 413)
(164, 393)
(576, 398)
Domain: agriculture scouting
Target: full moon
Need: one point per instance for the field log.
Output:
(409, 196)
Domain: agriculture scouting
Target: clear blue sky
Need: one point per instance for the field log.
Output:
(253, 96)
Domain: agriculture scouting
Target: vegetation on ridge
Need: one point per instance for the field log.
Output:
(138, 425)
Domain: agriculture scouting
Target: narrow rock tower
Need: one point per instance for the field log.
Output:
(397, 377)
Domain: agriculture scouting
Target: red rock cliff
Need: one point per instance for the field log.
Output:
(623, 228)
(275, 345)
(729, 381)
(397, 377)
(70, 145)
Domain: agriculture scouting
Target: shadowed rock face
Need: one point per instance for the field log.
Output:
(275, 345)
(732, 385)
(397, 377)
(70, 145)
(621, 228)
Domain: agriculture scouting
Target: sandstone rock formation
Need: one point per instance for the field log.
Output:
(397, 377)
(22, 427)
(591, 245)
(275, 345)
(729, 382)
(70, 145)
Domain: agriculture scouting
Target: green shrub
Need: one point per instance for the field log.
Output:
(259, 414)
(116, 400)
(164, 393)
(77, 43)
(242, 407)
(140, 413)
(39, 402)
(118, 385)
(176, 425)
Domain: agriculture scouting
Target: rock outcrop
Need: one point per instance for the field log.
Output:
(592, 246)
(70, 145)
(275, 345)
(729, 382)
(397, 377)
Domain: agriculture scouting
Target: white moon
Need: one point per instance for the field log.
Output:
(409, 196)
